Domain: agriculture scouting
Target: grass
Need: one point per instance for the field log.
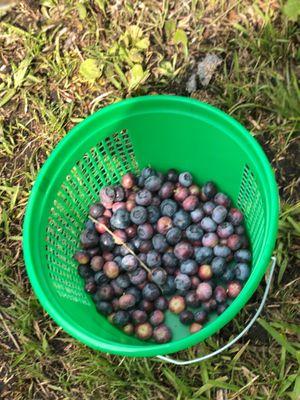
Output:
(145, 48)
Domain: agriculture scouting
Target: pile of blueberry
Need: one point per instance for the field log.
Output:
(159, 242)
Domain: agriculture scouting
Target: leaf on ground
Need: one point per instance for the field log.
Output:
(20, 72)
(136, 76)
(170, 27)
(81, 11)
(90, 70)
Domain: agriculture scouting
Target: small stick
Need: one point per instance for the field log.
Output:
(120, 242)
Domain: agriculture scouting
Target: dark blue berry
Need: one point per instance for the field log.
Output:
(185, 179)
(129, 263)
(242, 256)
(107, 242)
(169, 287)
(194, 232)
(209, 190)
(123, 281)
(159, 276)
(104, 307)
(242, 271)
(170, 260)
(120, 219)
(208, 207)
(138, 276)
(159, 243)
(168, 207)
(228, 275)
(143, 197)
(182, 282)
(219, 214)
(218, 266)
(100, 278)
(153, 259)
(150, 291)
(138, 215)
(174, 235)
(186, 317)
(84, 271)
(153, 183)
(182, 219)
(197, 215)
(153, 214)
(208, 225)
(189, 267)
(203, 255)
(172, 175)
(121, 318)
(136, 292)
(221, 251)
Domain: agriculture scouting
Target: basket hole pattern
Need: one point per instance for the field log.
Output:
(250, 202)
(103, 164)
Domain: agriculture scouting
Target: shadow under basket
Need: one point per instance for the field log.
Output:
(164, 132)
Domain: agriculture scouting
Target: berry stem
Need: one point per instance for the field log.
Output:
(120, 242)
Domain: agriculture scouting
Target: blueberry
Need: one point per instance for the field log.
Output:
(242, 271)
(186, 317)
(159, 276)
(107, 242)
(161, 303)
(129, 263)
(119, 193)
(166, 190)
(174, 235)
(156, 200)
(210, 239)
(96, 210)
(145, 231)
(203, 255)
(208, 207)
(82, 257)
(153, 259)
(131, 231)
(104, 307)
(189, 267)
(156, 317)
(242, 256)
(185, 179)
(200, 316)
(136, 292)
(228, 275)
(172, 175)
(210, 305)
(163, 225)
(159, 243)
(128, 181)
(90, 226)
(161, 176)
(182, 219)
(124, 250)
(139, 316)
(183, 250)
(97, 263)
(220, 294)
(233, 289)
(225, 230)
(177, 304)
(148, 171)
(208, 190)
(153, 214)
(235, 216)
(123, 281)
(138, 215)
(140, 181)
(144, 331)
(190, 203)
(89, 239)
(150, 291)
(162, 334)
(127, 301)
(100, 277)
(204, 291)
(194, 232)
(107, 194)
(121, 318)
(221, 251)
(192, 299)
(181, 193)
(222, 200)
(102, 222)
(145, 246)
(105, 292)
(219, 214)
(120, 236)
(143, 197)
(239, 230)
(111, 269)
(120, 219)
(117, 289)
(195, 327)
(197, 215)
(234, 242)
(146, 305)
(170, 260)
(90, 287)
(168, 207)
(218, 266)
(153, 183)
(169, 287)
(182, 282)
(208, 225)
(138, 276)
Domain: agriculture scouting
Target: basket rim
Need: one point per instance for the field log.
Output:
(149, 349)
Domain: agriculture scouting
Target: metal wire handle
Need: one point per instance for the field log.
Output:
(245, 330)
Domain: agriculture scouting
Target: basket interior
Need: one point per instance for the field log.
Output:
(104, 164)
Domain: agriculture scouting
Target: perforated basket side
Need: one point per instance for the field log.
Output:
(102, 165)
(250, 202)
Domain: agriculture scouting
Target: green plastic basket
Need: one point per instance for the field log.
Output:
(164, 132)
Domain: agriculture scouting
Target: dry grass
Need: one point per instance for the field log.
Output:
(43, 94)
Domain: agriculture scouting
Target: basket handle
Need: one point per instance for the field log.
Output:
(234, 340)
